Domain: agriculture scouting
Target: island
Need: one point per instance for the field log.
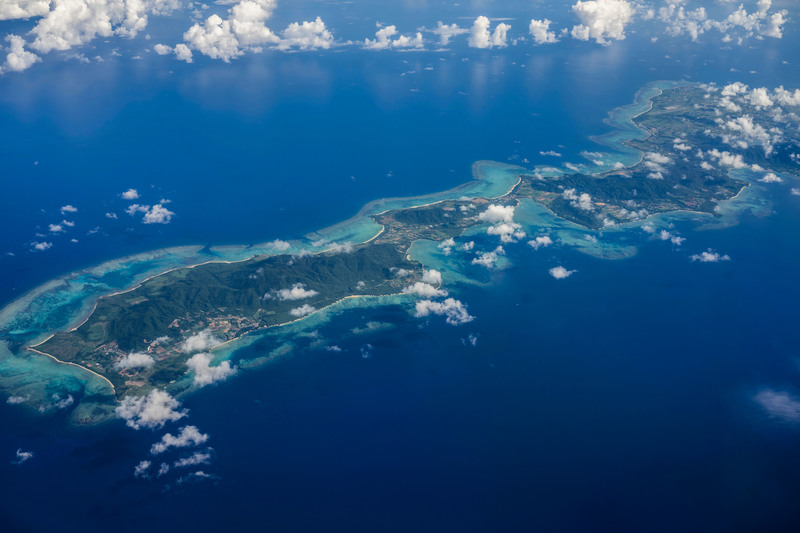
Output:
(693, 143)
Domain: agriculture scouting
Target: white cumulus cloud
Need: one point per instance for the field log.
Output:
(18, 59)
(200, 342)
(542, 241)
(23, 9)
(135, 360)
(710, 256)
(197, 458)
(540, 30)
(779, 405)
(306, 36)
(205, 374)
(383, 40)
(602, 19)
(298, 291)
(481, 36)
(560, 272)
(454, 311)
(151, 411)
(21, 457)
(303, 310)
(447, 32)
(187, 436)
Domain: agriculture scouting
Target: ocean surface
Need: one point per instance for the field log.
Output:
(619, 399)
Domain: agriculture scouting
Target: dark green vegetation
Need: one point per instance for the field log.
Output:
(693, 142)
(696, 136)
(436, 222)
(226, 298)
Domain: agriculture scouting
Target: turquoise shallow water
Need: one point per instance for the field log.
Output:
(65, 302)
(621, 398)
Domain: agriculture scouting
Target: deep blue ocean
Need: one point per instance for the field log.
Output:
(617, 400)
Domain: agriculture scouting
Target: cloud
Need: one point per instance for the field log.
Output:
(447, 245)
(727, 159)
(187, 436)
(62, 403)
(602, 19)
(200, 342)
(502, 218)
(68, 209)
(151, 411)
(760, 23)
(542, 241)
(759, 98)
(194, 476)
(481, 37)
(710, 256)
(183, 53)
(216, 38)
(21, 457)
(454, 310)
(746, 132)
(71, 23)
(446, 32)
(18, 59)
(779, 405)
(784, 97)
(432, 276)
(141, 469)
(279, 245)
(55, 228)
(14, 400)
(771, 177)
(136, 208)
(158, 214)
(560, 272)
(681, 21)
(23, 9)
(205, 374)
(298, 291)
(486, 259)
(197, 458)
(550, 153)
(306, 36)
(497, 213)
(680, 145)
(131, 194)
(540, 30)
(582, 201)
(245, 29)
(654, 162)
(795, 191)
(134, 360)
(674, 239)
(303, 310)
(508, 232)
(383, 40)
(41, 246)
(424, 289)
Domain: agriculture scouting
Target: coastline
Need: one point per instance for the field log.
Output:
(31, 348)
(356, 225)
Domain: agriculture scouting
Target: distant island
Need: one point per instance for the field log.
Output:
(690, 139)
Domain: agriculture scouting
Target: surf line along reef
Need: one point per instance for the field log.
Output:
(680, 148)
